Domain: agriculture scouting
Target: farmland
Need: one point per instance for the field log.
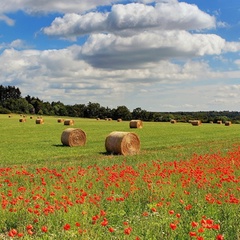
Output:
(184, 184)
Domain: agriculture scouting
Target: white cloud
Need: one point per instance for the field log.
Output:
(111, 51)
(131, 18)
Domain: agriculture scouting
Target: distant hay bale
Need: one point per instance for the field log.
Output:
(73, 137)
(196, 122)
(135, 124)
(173, 121)
(22, 120)
(211, 122)
(9, 116)
(228, 123)
(97, 119)
(69, 122)
(60, 120)
(119, 120)
(123, 143)
(219, 122)
(39, 121)
(31, 117)
(109, 119)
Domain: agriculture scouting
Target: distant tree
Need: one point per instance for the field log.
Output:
(92, 110)
(9, 92)
(122, 112)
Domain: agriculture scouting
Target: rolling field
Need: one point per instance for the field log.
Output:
(184, 184)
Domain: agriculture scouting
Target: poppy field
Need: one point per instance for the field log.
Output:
(184, 184)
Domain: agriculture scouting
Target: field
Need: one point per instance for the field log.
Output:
(184, 184)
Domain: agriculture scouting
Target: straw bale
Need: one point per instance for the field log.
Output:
(73, 137)
(173, 121)
(22, 120)
(123, 143)
(39, 121)
(196, 123)
(60, 120)
(228, 123)
(68, 122)
(135, 124)
(219, 122)
(119, 120)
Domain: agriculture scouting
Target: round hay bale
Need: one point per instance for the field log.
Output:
(135, 124)
(219, 122)
(228, 123)
(173, 121)
(119, 120)
(22, 120)
(123, 143)
(68, 122)
(196, 123)
(39, 121)
(60, 120)
(73, 137)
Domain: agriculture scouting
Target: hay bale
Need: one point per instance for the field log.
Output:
(68, 122)
(196, 123)
(173, 121)
(39, 121)
(119, 120)
(60, 120)
(73, 137)
(228, 123)
(123, 143)
(31, 117)
(135, 124)
(219, 122)
(22, 120)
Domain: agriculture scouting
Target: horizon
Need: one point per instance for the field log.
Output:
(164, 55)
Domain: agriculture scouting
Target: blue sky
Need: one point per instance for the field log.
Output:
(163, 55)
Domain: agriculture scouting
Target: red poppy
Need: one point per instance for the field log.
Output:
(66, 227)
(44, 229)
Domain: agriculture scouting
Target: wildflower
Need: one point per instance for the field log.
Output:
(12, 233)
(104, 222)
(178, 215)
(66, 227)
(194, 224)
(29, 227)
(192, 234)
(171, 212)
(111, 229)
(173, 226)
(219, 237)
(127, 231)
(44, 229)
(77, 224)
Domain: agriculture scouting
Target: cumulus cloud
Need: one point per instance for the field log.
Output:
(111, 51)
(131, 18)
(45, 6)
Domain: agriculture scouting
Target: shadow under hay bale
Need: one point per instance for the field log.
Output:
(122, 143)
(39, 121)
(69, 122)
(196, 123)
(135, 124)
(228, 123)
(73, 137)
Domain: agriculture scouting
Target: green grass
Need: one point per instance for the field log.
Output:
(30, 143)
(183, 175)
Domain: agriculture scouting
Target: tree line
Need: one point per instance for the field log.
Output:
(11, 101)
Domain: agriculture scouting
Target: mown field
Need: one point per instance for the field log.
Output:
(184, 184)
